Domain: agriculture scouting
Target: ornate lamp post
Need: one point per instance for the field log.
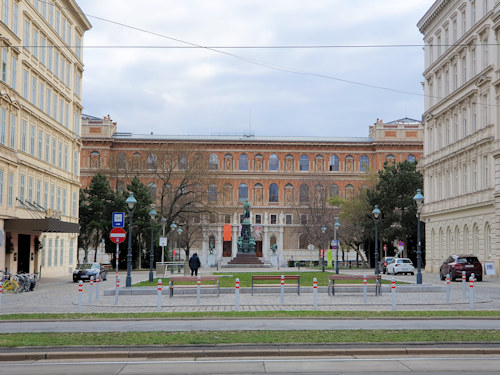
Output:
(376, 216)
(173, 227)
(163, 221)
(336, 227)
(179, 231)
(131, 201)
(323, 229)
(152, 215)
(419, 200)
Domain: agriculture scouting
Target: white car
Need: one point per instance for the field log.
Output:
(400, 265)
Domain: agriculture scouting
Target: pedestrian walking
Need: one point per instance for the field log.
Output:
(194, 264)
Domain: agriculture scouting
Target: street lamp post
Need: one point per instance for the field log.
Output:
(179, 231)
(173, 227)
(336, 226)
(419, 200)
(131, 201)
(163, 221)
(323, 229)
(152, 215)
(376, 216)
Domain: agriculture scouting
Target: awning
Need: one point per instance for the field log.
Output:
(40, 225)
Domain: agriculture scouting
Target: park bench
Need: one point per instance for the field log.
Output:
(333, 278)
(290, 281)
(190, 282)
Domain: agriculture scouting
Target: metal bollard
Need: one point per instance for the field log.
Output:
(393, 291)
(464, 281)
(1, 287)
(282, 289)
(315, 293)
(365, 287)
(117, 291)
(237, 295)
(91, 288)
(198, 290)
(158, 300)
(448, 288)
(471, 292)
(80, 292)
(97, 287)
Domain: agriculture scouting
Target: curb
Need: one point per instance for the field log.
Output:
(270, 352)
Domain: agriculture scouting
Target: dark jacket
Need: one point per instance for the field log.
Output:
(194, 262)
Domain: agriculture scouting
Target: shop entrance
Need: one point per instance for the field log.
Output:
(23, 253)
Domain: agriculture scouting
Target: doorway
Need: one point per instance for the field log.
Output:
(23, 253)
(226, 249)
(258, 248)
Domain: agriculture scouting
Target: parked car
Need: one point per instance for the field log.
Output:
(400, 265)
(383, 264)
(86, 270)
(455, 264)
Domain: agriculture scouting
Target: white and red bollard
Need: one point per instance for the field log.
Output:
(91, 288)
(471, 291)
(158, 299)
(464, 282)
(237, 295)
(80, 292)
(448, 288)
(1, 287)
(117, 290)
(393, 292)
(365, 287)
(315, 294)
(198, 290)
(282, 289)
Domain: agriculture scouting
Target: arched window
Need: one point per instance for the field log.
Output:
(364, 163)
(319, 163)
(411, 158)
(304, 163)
(152, 190)
(273, 193)
(243, 162)
(288, 193)
(475, 240)
(487, 239)
(243, 192)
(121, 161)
(228, 193)
(211, 243)
(334, 163)
(212, 193)
(136, 161)
(390, 159)
(319, 193)
(449, 236)
(457, 241)
(334, 190)
(349, 163)
(272, 241)
(466, 246)
(274, 162)
(213, 162)
(289, 162)
(182, 162)
(228, 162)
(258, 193)
(152, 161)
(349, 192)
(95, 159)
(304, 193)
(258, 162)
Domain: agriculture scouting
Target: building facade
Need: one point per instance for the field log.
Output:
(40, 116)
(461, 147)
(276, 175)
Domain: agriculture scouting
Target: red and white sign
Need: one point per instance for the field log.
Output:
(117, 235)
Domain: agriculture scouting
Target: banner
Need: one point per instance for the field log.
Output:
(227, 232)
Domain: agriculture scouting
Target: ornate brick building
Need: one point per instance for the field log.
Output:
(276, 175)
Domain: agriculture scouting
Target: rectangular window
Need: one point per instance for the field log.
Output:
(66, 150)
(58, 198)
(41, 103)
(61, 257)
(43, 48)
(75, 204)
(51, 14)
(288, 219)
(50, 52)
(46, 195)
(40, 144)
(10, 190)
(34, 90)
(30, 189)
(44, 9)
(5, 16)
(1, 187)
(13, 73)
(61, 110)
(77, 120)
(59, 155)
(56, 63)
(474, 176)
(63, 69)
(78, 44)
(465, 132)
(22, 187)
(15, 16)
(35, 43)
(49, 258)
(3, 75)
(39, 192)
(27, 35)
(24, 134)
(54, 150)
(32, 140)
(485, 53)
(54, 109)
(464, 179)
(273, 219)
(63, 30)
(66, 115)
(13, 125)
(75, 163)
(26, 78)
(3, 125)
(49, 102)
(58, 22)
(485, 172)
(52, 196)
(64, 202)
(484, 105)
(56, 251)
(258, 219)
(303, 219)
(47, 148)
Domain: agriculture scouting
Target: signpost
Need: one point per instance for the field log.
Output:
(118, 219)
(117, 236)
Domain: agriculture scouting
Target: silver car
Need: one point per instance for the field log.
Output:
(400, 265)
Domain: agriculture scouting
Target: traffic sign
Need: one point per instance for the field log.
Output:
(401, 245)
(118, 219)
(117, 235)
(163, 241)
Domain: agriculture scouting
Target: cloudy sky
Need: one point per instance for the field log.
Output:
(280, 67)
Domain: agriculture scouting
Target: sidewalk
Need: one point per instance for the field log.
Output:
(60, 295)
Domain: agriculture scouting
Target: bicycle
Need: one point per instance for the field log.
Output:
(11, 286)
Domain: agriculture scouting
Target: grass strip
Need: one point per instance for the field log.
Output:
(244, 337)
(259, 314)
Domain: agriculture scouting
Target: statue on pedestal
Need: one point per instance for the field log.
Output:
(246, 242)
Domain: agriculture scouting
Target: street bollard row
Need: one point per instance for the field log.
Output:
(158, 299)
(393, 293)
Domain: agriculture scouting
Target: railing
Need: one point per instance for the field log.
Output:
(163, 267)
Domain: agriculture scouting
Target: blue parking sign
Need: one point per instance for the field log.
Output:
(118, 219)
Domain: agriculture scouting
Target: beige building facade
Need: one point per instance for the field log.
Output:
(461, 147)
(40, 117)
